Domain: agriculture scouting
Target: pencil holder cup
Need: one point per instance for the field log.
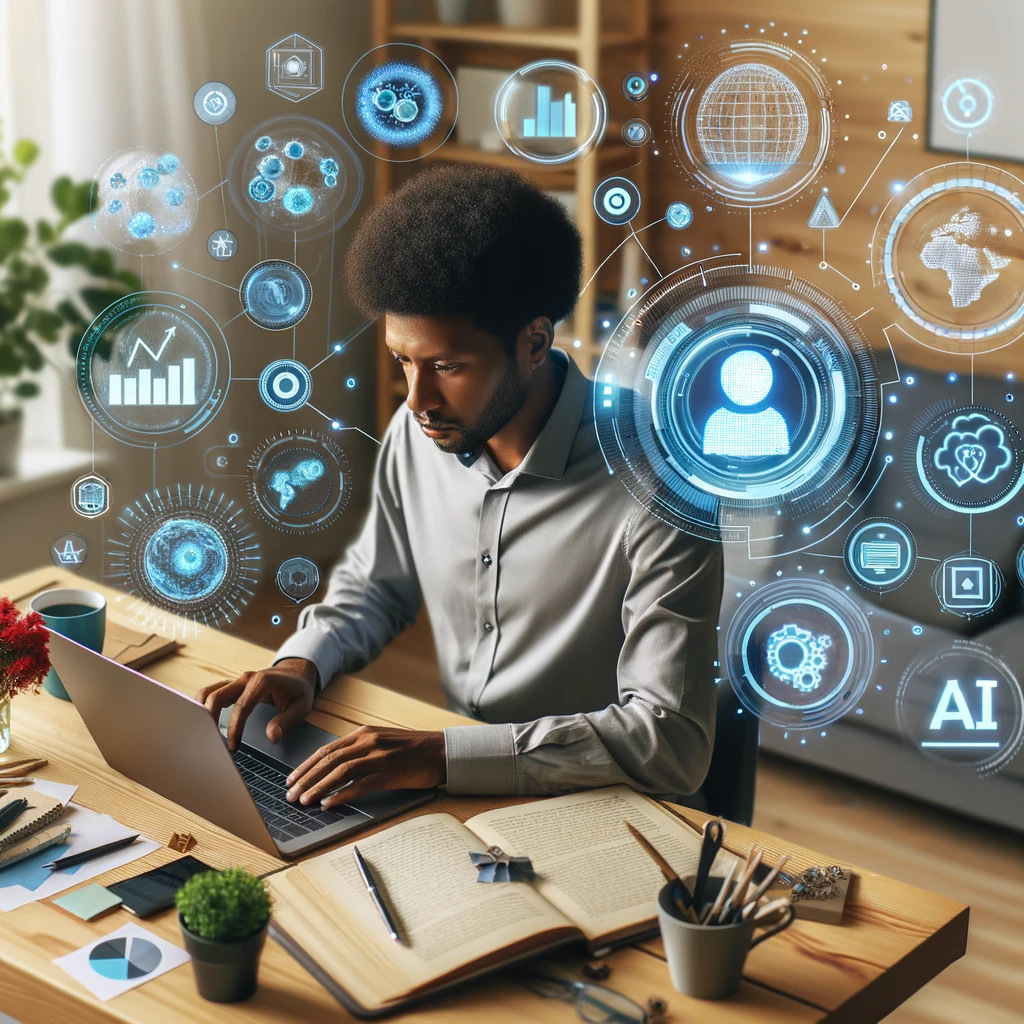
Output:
(706, 961)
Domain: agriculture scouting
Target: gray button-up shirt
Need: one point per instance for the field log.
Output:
(579, 626)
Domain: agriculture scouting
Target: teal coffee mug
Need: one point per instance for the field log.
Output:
(80, 615)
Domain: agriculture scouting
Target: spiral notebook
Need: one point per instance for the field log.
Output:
(43, 810)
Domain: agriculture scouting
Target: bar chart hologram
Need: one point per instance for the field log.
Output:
(555, 119)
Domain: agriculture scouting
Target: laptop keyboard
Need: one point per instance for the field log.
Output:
(286, 821)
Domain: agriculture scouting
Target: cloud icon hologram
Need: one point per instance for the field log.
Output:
(974, 451)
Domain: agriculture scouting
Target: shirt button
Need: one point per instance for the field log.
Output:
(488, 627)
(486, 559)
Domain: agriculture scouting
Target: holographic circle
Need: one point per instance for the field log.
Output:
(298, 579)
(617, 200)
(678, 216)
(750, 121)
(153, 369)
(880, 554)
(962, 706)
(400, 102)
(285, 385)
(800, 653)
(968, 459)
(728, 395)
(143, 202)
(967, 104)
(296, 178)
(275, 294)
(187, 550)
(636, 86)
(636, 132)
(69, 551)
(299, 481)
(214, 103)
(968, 584)
(551, 112)
(949, 249)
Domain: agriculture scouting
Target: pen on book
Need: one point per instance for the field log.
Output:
(10, 813)
(371, 887)
(70, 860)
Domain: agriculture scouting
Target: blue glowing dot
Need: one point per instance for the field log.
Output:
(860, 711)
(263, 143)
(686, 250)
(888, 458)
(399, 103)
(822, 733)
(1009, 398)
(141, 225)
(803, 741)
(118, 180)
(910, 380)
(951, 378)
(350, 382)
(335, 425)
(897, 186)
(174, 197)
(114, 206)
(886, 632)
(806, 529)
(337, 346)
(186, 560)
(271, 167)
(275, 620)
(261, 190)
(899, 504)
(606, 323)
(841, 169)
(643, 280)
(654, 76)
(298, 200)
(329, 165)
(917, 630)
(232, 439)
(330, 180)
(888, 435)
(167, 164)
(762, 247)
(148, 178)
(294, 150)
(1020, 520)
(631, 294)
(174, 266)
(893, 399)
(1009, 376)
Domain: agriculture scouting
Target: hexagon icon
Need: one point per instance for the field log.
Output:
(90, 495)
(295, 68)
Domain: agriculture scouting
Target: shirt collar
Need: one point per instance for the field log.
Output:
(550, 452)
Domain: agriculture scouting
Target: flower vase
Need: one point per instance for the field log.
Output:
(5, 721)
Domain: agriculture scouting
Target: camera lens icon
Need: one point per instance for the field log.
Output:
(617, 200)
(285, 385)
(635, 86)
(636, 132)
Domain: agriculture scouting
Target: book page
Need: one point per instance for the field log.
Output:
(588, 865)
(446, 919)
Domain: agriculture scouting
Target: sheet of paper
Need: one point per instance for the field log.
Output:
(28, 880)
(88, 902)
(122, 960)
(58, 790)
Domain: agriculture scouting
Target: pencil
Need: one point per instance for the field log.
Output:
(765, 885)
(720, 898)
(666, 869)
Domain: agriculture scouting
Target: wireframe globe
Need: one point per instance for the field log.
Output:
(751, 124)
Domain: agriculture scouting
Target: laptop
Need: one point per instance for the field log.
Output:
(169, 743)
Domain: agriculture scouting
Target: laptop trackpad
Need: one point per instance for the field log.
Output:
(301, 742)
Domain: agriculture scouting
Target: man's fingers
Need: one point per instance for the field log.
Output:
(293, 714)
(203, 693)
(251, 695)
(339, 775)
(323, 752)
(220, 696)
(363, 786)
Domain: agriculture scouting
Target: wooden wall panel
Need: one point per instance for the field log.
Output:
(870, 52)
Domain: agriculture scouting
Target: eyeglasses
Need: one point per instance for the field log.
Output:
(594, 1003)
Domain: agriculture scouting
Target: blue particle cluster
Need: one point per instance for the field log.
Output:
(263, 143)
(141, 225)
(399, 104)
(167, 164)
(114, 206)
(298, 200)
(148, 177)
(271, 167)
(174, 197)
(118, 180)
(261, 190)
(294, 150)
(186, 560)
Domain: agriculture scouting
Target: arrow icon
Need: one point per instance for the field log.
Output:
(155, 356)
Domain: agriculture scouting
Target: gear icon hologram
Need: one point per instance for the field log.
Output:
(797, 657)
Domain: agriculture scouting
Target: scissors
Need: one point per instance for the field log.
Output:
(714, 835)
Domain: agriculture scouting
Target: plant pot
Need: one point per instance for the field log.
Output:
(225, 972)
(10, 441)
(452, 12)
(523, 13)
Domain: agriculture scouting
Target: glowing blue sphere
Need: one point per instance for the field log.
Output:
(331, 180)
(141, 225)
(263, 143)
(309, 469)
(174, 197)
(114, 206)
(298, 200)
(148, 178)
(168, 163)
(186, 560)
(399, 104)
(328, 166)
(118, 180)
(294, 150)
(271, 167)
(261, 190)
(385, 100)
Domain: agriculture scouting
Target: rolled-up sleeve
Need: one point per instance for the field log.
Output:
(373, 592)
(659, 736)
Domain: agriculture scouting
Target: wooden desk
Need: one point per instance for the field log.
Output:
(894, 939)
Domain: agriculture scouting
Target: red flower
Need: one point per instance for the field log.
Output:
(24, 649)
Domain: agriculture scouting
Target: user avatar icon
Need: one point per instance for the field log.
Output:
(746, 379)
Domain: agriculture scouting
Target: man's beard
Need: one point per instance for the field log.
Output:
(507, 399)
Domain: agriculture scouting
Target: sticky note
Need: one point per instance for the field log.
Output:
(88, 902)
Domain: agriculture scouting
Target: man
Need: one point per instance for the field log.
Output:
(580, 627)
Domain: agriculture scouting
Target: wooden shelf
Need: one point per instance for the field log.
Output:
(552, 37)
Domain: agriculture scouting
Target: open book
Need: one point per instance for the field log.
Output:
(593, 883)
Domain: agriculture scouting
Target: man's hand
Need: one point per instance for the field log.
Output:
(370, 759)
(290, 685)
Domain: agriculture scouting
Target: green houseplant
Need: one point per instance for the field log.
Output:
(32, 315)
(223, 917)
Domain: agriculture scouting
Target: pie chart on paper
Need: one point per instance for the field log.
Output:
(125, 958)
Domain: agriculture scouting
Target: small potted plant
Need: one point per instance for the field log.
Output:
(24, 659)
(223, 917)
